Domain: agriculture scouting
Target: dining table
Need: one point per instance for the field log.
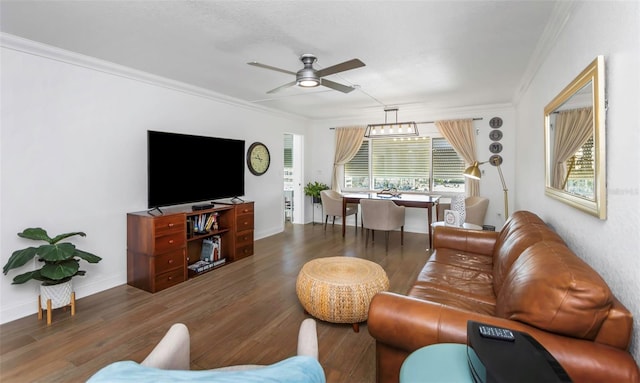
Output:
(424, 201)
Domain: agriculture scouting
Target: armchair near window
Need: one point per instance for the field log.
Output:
(476, 209)
(382, 215)
(332, 205)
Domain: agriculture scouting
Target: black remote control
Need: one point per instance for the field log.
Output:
(496, 333)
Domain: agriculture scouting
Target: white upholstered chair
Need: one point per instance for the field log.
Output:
(383, 215)
(476, 209)
(332, 205)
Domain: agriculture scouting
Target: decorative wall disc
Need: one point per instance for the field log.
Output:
(495, 135)
(494, 158)
(495, 122)
(495, 147)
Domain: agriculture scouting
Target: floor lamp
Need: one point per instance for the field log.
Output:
(473, 172)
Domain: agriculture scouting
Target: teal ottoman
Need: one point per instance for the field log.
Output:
(441, 363)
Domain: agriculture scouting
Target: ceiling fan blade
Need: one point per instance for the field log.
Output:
(347, 65)
(271, 67)
(336, 86)
(278, 89)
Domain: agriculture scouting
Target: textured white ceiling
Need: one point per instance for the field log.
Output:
(428, 54)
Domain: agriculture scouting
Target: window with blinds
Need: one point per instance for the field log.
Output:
(448, 167)
(356, 171)
(288, 151)
(581, 169)
(288, 162)
(406, 165)
(401, 164)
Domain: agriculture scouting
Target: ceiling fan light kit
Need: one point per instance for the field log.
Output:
(391, 129)
(309, 77)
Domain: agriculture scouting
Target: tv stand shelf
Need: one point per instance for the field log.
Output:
(161, 247)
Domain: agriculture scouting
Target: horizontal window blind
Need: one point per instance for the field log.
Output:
(583, 166)
(288, 150)
(581, 179)
(403, 164)
(356, 171)
(406, 164)
(448, 167)
(400, 158)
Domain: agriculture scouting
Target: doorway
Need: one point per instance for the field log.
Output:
(293, 176)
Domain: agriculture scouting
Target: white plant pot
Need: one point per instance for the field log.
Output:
(59, 294)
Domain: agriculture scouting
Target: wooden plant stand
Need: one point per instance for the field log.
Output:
(50, 309)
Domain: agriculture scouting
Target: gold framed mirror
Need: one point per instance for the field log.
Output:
(574, 142)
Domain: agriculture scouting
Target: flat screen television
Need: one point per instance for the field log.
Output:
(183, 168)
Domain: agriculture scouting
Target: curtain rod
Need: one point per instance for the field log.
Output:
(433, 122)
(429, 122)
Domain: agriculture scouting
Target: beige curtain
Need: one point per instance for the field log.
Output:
(460, 135)
(348, 142)
(573, 128)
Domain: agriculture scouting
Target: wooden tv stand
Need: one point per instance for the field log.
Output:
(161, 246)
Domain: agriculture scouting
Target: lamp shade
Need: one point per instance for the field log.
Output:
(473, 171)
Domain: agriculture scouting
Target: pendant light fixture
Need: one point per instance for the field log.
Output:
(391, 129)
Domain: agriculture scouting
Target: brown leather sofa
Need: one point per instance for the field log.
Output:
(524, 278)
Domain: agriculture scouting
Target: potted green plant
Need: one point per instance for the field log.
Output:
(313, 189)
(61, 262)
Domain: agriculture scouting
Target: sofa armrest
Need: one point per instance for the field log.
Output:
(471, 241)
(406, 324)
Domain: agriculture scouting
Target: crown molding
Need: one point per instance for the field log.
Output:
(559, 16)
(35, 48)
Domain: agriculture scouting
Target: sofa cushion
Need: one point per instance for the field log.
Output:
(514, 241)
(436, 294)
(457, 279)
(465, 259)
(518, 219)
(549, 287)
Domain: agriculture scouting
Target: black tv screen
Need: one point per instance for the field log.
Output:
(185, 168)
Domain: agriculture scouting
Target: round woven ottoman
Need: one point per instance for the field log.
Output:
(340, 289)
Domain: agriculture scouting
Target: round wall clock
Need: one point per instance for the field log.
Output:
(495, 135)
(495, 122)
(258, 158)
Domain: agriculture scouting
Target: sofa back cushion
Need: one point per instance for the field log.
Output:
(522, 231)
(518, 219)
(550, 288)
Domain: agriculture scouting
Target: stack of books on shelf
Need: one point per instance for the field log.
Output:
(204, 223)
(200, 266)
(210, 256)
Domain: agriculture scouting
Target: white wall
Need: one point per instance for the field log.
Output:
(73, 157)
(323, 137)
(611, 246)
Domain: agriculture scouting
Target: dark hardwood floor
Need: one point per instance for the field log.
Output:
(246, 312)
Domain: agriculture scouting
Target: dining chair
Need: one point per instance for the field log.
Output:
(383, 215)
(332, 205)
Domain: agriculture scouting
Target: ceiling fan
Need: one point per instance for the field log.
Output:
(310, 77)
